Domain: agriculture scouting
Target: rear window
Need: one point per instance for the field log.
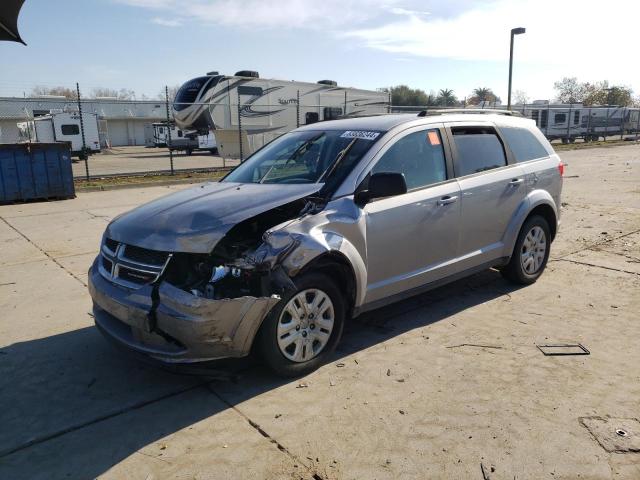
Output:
(479, 149)
(70, 129)
(524, 145)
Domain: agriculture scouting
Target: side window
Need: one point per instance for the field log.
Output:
(311, 117)
(576, 117)
(560, 118)
(479, 149)
(544, 115)
(419, 155)
(534, 115)
(252, 91)
(331, 113)
(71, 129)
(524, 145)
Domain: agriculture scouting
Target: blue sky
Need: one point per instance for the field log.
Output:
(460, 44)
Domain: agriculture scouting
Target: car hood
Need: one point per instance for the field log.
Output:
(194, 220)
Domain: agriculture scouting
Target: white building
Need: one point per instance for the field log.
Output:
(121, 122)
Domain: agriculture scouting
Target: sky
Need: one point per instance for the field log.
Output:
(458, 44)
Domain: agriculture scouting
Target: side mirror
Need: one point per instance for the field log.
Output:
(383, 184)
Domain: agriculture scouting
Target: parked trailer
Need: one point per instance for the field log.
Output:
(266, 108)
(570, 121)
(157, 135)
(63, 127)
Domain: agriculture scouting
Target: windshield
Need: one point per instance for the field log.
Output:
(309, 156)
(188, 93)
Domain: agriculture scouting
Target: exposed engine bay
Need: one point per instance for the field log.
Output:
(232, 270)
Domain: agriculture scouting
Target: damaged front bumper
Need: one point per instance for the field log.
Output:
(174, 326)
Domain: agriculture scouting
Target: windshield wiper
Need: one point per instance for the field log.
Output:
(338, 159)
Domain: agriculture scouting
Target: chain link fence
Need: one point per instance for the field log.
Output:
(115, 137)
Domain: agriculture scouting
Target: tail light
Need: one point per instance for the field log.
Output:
(561, 168)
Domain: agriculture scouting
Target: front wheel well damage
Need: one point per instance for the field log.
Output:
(336, 266)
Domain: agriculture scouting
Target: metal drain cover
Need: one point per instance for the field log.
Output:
(614, 434)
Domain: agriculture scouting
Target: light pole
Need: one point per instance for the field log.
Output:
(514, 31)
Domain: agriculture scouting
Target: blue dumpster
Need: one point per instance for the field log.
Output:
(31, 171)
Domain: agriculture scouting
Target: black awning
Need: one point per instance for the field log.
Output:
(9, 11)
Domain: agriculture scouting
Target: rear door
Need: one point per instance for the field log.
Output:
(492, 187)
(412, 238)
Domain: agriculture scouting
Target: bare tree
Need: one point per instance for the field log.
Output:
(520, 97)
(39, 91)
(122, 94)
(570, 90)
(173, 91)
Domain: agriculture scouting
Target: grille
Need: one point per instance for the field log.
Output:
(142, 255)
(111, 244)
(131, 266)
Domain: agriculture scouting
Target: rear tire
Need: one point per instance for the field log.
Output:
(281, 334)
(530, 253)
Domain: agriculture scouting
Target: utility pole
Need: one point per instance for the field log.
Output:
(514, 32)
(166, 95)
(83, 155)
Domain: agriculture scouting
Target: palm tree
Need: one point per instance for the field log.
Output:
(483, 93)
(446, 97)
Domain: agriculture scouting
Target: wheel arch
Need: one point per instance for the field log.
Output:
(337, 266)
(538, 202)
(548, 213)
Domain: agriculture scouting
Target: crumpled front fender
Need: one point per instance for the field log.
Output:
(228, 324)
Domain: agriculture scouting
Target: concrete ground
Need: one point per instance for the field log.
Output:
(449, 384)
(138, 159)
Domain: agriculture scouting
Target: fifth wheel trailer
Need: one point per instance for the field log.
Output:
(264, 109)
(63, 127)
(157, 135)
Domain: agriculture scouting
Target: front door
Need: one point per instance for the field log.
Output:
(412, 238)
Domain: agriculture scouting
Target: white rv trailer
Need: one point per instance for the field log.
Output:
(63, 127)
(149, 135)
(570, 121)
(266, 108)
(157, 135)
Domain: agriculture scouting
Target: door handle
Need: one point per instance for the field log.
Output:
(446, 200)
(516, 181)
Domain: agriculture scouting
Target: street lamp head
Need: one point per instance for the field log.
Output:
(518, 31)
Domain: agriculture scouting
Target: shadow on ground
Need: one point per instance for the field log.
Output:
(74, 391)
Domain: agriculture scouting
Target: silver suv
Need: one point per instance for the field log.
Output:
(324, 223)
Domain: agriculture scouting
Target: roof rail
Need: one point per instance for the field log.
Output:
(486, 111)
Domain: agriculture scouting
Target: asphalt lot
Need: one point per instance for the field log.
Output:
(448, 384)
(119, 160)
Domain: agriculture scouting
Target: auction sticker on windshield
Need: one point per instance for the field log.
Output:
(360, 134)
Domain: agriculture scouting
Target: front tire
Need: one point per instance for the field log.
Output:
(303, 329)
(530, 253)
